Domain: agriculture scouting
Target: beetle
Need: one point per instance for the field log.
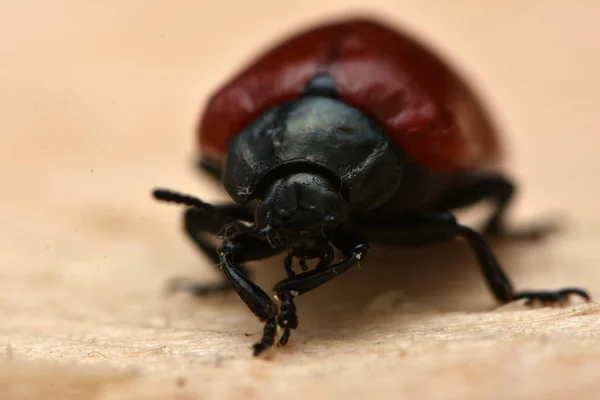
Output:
(346, 133)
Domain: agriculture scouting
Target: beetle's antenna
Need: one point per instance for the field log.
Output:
(185, 199)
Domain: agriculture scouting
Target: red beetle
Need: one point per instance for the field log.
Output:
(345, 134)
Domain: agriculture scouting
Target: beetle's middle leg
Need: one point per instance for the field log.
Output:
(469, 189)
(421, 228)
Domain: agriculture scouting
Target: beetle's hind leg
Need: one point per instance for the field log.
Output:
(470, 189)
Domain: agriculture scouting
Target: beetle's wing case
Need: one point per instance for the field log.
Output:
(423, 105)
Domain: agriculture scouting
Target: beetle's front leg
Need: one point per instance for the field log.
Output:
(295, 285)
(287, 318)
(235, 251)
(353, 246)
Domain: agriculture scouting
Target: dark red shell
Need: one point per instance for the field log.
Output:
(422, 104)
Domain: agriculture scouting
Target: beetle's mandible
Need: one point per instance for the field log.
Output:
(346, 134)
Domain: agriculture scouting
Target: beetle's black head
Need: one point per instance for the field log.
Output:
(299, 208)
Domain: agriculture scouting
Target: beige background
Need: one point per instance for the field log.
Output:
(98, 101)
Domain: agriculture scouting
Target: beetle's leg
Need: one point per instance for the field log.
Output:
(424, 228)
(469, 189)
(198, 225)
(246, 248)
(354, 247)
(200, 222)
(204, 218)
(498, 281)
(287, 318)
(288, 308)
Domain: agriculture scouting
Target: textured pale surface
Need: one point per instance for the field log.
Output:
(98, 103)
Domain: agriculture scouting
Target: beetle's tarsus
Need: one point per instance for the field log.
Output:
(268, 338)
(551, 297)
(287, 318)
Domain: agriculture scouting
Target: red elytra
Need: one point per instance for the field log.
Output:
(423, 105)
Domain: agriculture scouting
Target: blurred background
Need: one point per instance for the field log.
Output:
(98, 104)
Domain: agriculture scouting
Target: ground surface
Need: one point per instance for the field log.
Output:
(98, 105)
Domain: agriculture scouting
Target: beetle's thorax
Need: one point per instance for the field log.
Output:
(298, 209)
(319, 135)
